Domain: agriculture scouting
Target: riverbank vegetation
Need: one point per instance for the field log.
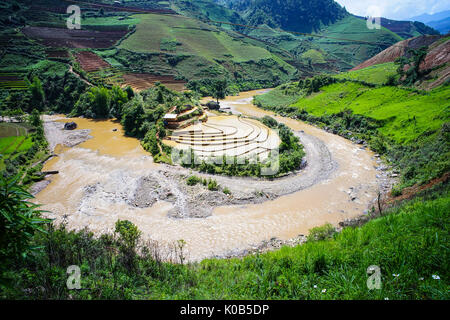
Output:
(408, 243)
(409, 127)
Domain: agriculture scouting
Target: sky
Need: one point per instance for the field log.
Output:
(394, 9)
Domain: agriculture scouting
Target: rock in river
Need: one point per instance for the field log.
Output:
(70, 126)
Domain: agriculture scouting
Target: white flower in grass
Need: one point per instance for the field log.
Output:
(396, 275)
(421, 278)
(436, 277)
(315, 286)
(324, 290)
(386, 298)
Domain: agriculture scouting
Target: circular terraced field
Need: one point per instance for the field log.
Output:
(231, 136)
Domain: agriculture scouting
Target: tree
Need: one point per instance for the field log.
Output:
(133, 116)
(100, 99)
(409, 65)
(118, 98)
(35, 119)
(219, 89)
(37, 94)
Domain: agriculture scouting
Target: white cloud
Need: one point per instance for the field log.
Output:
(396, 9)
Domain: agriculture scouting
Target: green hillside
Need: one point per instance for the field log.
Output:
(377, 74)
(351, 41)
(207, 9)
(189, 36)
(293, 15)
(196, 50)
(406, 114)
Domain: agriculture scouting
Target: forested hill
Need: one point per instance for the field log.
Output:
(293, 15)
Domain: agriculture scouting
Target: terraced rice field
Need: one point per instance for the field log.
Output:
(230, 136)
(12, 81)
(143, 81)
(112, 76)
(181, 35)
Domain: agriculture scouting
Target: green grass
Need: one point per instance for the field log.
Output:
(279, 97)
(314, 56)
(7, 144)
(410, 241)
(15, 144)
(110, 21)
(377, 74)
(407, 114)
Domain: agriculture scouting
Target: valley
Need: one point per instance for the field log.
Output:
(98, 198)
(221, 149)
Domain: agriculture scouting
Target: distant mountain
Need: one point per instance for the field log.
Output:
(426, 18)
(292, 15)
(439, 21)
(443, 26)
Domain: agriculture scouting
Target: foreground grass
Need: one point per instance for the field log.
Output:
(409, 244)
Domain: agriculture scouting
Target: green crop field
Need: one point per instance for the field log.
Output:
(191, 37)
(110, 21)
(407, 114)
(377, 74)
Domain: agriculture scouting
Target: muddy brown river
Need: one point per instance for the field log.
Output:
(97, 178)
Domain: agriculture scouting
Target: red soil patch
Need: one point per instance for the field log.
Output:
(142, 81)
(397, 50)
(409, 193)
(91, 62)
(59, 37)
(437, 56)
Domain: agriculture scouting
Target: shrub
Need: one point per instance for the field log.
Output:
(193, 180)
(212, 185)
(321, 233)
(396, 191)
